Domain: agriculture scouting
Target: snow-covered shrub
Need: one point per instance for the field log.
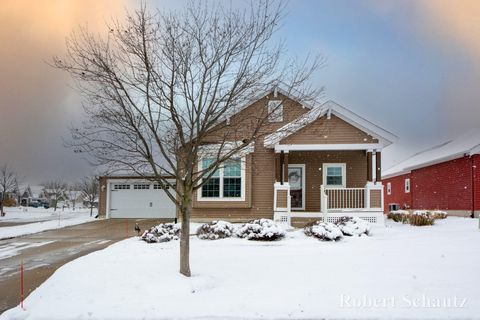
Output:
(421, 218)
(398, 215)
(216, 230)
(262, 230)
(353, 226)
(437, 214)
(162, 233)
(325, 231)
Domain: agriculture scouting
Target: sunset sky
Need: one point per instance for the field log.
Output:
(411, 67)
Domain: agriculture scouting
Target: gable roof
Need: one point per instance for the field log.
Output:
(330, 107)
(465, 144)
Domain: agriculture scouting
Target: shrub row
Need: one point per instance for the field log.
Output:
(416, 218)
(345, 226)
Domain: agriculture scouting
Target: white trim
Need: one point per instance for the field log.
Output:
(304, 191)
(221, 198)
(107, 199)
(408, 186)
(344, 175)
(325, 147)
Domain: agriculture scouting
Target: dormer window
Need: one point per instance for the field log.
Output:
(275, 111)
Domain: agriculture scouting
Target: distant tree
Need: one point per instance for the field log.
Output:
(56, 190)
(159, 85)
(8, 183)
(89, 188)
(73, 192)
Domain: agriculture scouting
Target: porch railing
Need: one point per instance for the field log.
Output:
(345, 198)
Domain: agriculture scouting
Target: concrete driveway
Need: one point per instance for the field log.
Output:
(43, 253)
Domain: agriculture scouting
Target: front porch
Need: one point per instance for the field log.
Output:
(327, 184)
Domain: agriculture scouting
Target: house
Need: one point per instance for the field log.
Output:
(444, 177)
(28, 193)
(309, 162)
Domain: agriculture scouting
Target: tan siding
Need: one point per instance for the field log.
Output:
(356, 166)
(281, 198)
(262, 169)
(333, 130)
(375, 198)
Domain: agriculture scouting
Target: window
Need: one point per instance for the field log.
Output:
(121, 186)
(159, 187)
(407, 185)
(141, 186)
(275, 111)
(334, 175)
(389, 188)
(227, 182)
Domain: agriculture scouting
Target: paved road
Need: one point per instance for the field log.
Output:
(43, 253)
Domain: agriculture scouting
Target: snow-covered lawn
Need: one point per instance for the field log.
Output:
(400, 271)
(33, 220)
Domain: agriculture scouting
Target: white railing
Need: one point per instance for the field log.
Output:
(342, 198)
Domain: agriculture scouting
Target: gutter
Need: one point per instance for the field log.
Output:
(473, 185)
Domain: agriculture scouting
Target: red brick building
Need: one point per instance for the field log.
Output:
(445, 177)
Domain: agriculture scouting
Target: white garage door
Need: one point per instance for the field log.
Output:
(139, 200)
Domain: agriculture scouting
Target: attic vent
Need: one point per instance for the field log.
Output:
(275, 111)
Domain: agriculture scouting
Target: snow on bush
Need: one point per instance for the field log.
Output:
(437, 214)
(416, 218)
(325, 231)
(216, 230)
(162, 233)
(262, 230)
(353, 226)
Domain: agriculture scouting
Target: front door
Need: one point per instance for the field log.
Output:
(296, 179)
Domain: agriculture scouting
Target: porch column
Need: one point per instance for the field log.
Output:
(278, 168)
(369, 166)
(378, 166)
(285, 167)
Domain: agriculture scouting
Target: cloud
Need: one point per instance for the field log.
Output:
(36, 103)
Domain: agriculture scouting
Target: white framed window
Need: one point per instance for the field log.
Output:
(226, 184)
(389, 188)
(275, 111)
(334, 175)
(121, 187)
(407, 185)
(141, 186)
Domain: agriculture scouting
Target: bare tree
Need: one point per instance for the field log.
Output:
(8, 184)
(160, 87)
(89, 188)
(73, 192)
(55, 190)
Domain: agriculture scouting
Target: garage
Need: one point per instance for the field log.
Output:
(138, 199)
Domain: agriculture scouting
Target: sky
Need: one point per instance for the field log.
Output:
(410, 66)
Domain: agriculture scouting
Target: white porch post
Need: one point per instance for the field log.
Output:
(282, 203)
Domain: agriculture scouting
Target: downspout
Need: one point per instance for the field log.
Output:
(473, 186)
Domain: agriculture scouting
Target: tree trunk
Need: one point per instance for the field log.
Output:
(55, 209)
(185, 234)
(1, 206)
(91, 209)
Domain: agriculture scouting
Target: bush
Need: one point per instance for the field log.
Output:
(162, 233)
(215, 230)
(324, 231)
(353, 226)
(417, 218)
(421, 218)
(437, 214)
(261, 230)
(9, 202)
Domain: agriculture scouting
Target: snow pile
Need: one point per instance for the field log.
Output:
(261, 229)
(353, 226)
(216, 230)
(162, 233)
(325, 231)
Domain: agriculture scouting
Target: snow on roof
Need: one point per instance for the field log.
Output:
(343, 113)
(465, 144)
